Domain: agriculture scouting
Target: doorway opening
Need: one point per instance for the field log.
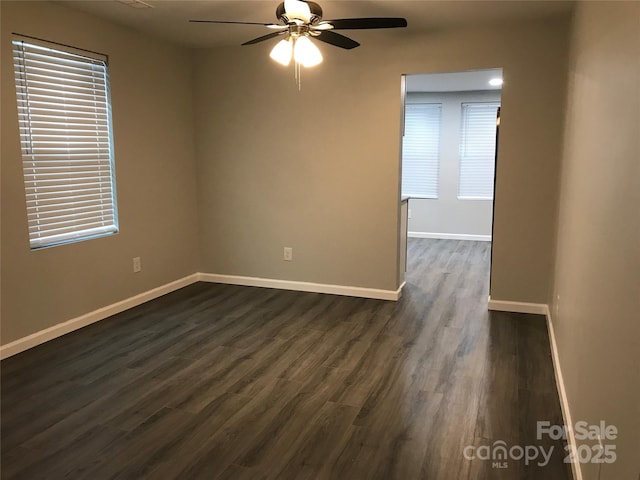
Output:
(449, 154)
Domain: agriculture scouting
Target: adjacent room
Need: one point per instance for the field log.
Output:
(449, 152)
(235, 244)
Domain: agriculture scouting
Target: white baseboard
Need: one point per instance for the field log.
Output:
(517, 307)
(450, 236)
(543, 309)
(63, 328)
(562, 393)
(303, 286)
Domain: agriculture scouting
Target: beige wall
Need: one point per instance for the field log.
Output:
(153, 133)
(597, 280)
(318, 170)
(447, 213)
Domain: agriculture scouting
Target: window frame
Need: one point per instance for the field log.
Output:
(459, 195)
(39, 66)
(436, 195)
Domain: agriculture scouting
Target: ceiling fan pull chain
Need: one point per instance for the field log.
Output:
(297, 73)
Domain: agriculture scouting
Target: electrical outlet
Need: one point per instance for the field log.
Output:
(409, 213)
(137, 264)
(288, 254)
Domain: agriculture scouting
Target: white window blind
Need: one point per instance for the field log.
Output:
(477, 150)
(65, 132)
(421, 150)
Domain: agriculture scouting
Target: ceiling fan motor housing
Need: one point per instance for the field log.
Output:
(316, 13)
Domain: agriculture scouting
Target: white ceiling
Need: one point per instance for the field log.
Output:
(453, 82)
(169, 18)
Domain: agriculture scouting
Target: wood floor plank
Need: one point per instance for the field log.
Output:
(195, 434)
(235, 472)
(58, 463)
(368, 370)
(321, 444)
(228, 382)
(236, 435)
(140, 449)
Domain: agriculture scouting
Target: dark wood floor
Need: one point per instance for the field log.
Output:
(227, 382)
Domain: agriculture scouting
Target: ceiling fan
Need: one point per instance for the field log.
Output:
(302, 20)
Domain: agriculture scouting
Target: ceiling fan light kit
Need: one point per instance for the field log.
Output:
(305, 52)
(302, 20)
(282, 52)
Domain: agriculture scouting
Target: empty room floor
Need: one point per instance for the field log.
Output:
(227, 382)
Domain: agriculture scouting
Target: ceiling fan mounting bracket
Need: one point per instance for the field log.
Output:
(299, 30)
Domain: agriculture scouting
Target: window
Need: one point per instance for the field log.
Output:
(65, 132)
(477, 150)
(421, 150)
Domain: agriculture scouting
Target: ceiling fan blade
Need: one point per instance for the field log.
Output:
(270, 25)
(336, 39)
(263, 38)
(366, 23)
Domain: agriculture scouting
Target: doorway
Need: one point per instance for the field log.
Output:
(449, 152)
